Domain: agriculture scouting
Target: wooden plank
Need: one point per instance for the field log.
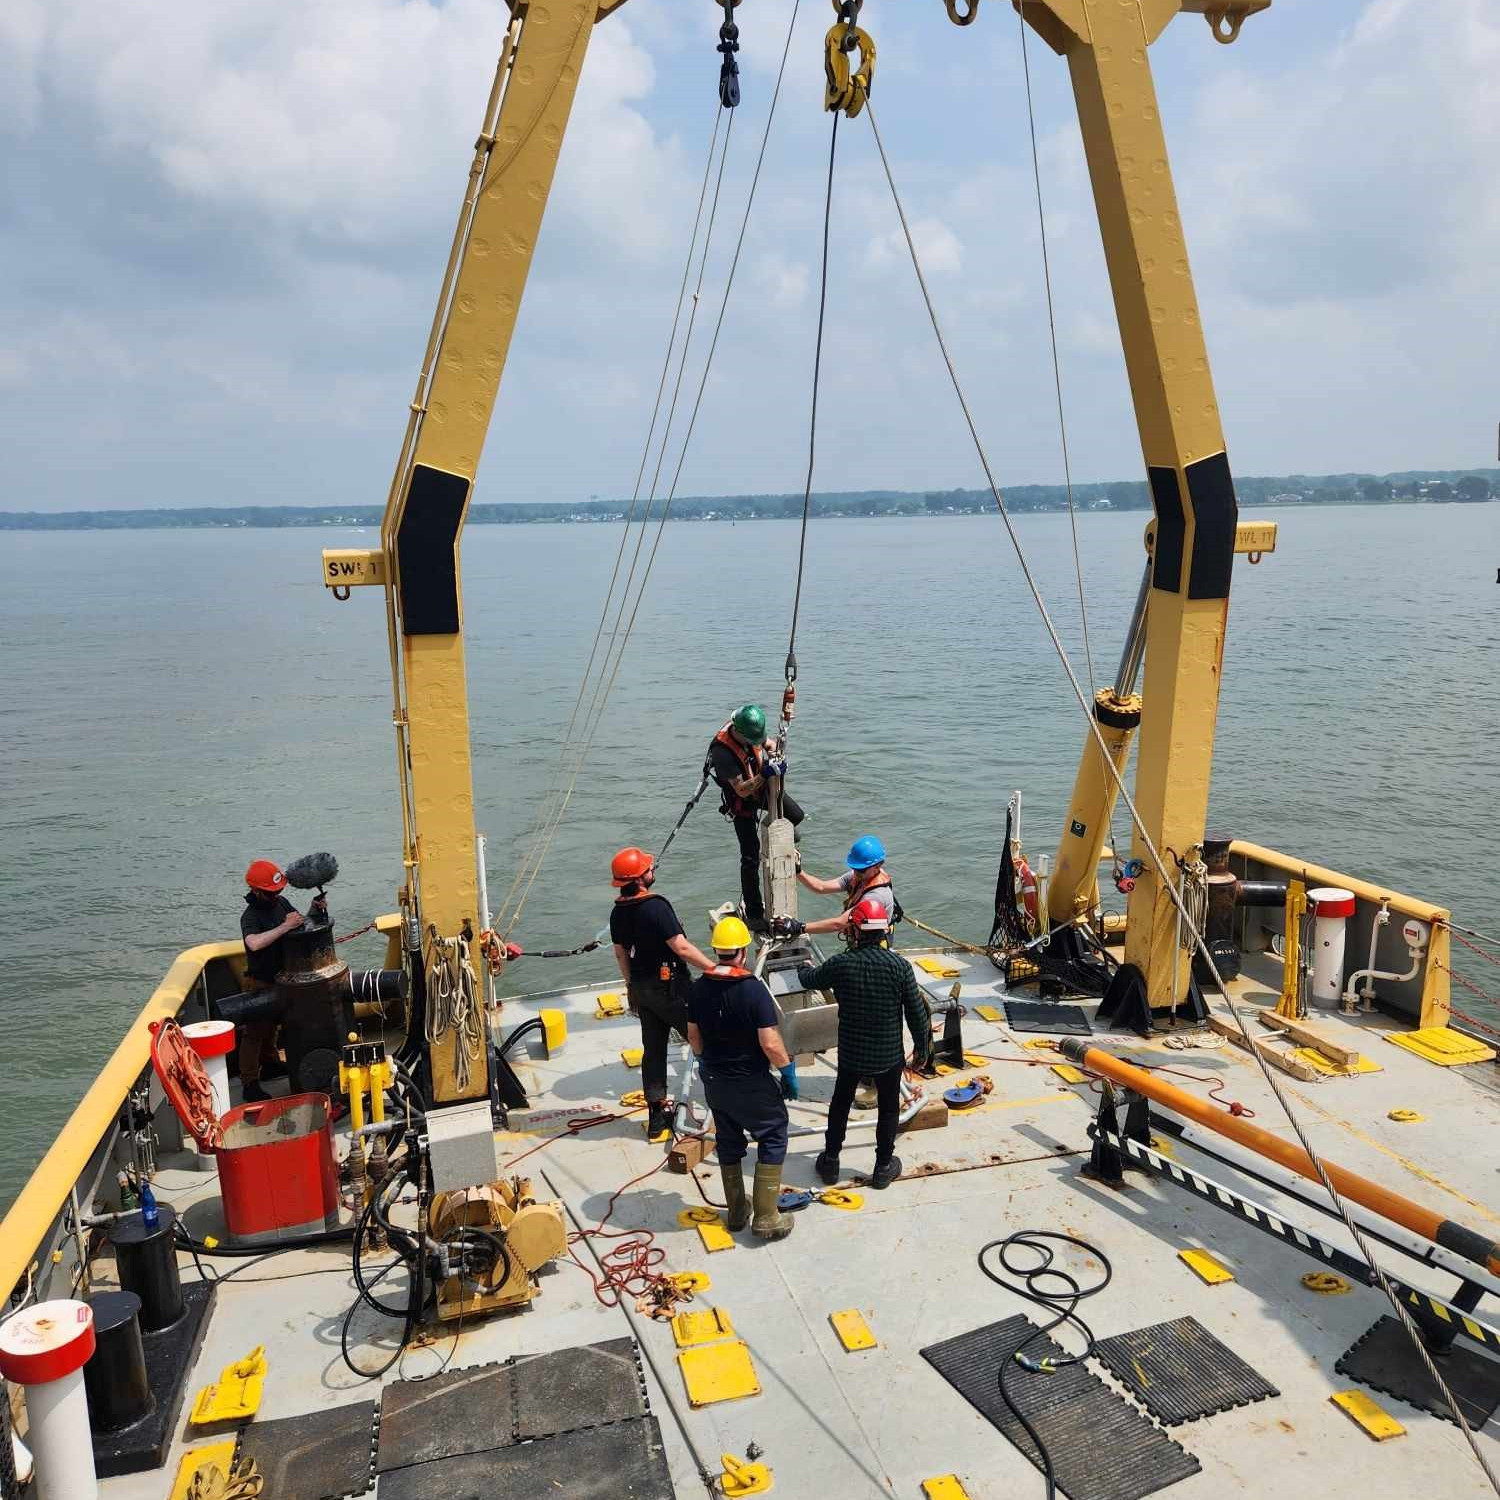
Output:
(1231, 1032)
(1345, 1057)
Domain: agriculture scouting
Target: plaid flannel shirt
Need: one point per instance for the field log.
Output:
(874, 988)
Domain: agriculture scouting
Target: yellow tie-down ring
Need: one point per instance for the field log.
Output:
(848, 89)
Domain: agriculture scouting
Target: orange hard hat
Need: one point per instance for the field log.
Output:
(265, 875)
(629, 865)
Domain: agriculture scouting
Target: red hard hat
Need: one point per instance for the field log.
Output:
(629, 865)
(869, 915)
(265, 875)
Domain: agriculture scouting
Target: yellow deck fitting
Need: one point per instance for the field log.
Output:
(554, 1029)
(1374, 1419)
(741, 1477)
(1326, 1283)
(633, 1100)
(1040, 1044)
(974, 1060)
(854, 1333)
(236, 1395)
(715, 1237)
(945, 1487)
(697, 1215)
(1406, 1117)
(718, 1372)
(1069, 1074)
(706, 1327)
(988, 1013)
(1206, 1267)
(1315, 1059)
(939, 968)
(608, 1006)
(690, 1282)
(1442, 1045)
(220, 1455)
(839, 1198)
(631, 1056)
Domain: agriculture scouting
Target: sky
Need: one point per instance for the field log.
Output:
(222, 228)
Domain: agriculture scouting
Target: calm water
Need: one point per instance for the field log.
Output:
(177, 703)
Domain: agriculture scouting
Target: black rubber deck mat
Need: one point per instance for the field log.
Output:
(460, 1411)
(625, 1461)
(322, 1455)
(573, 1388)
(1384, 1360)
(1179, 1371)
(1102, 1448)
(171, 1354)
(1043, 1015)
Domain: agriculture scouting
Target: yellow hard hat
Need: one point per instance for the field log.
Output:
(729, 935)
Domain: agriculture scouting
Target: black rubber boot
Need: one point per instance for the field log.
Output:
(827, 1168)
(886, 1172)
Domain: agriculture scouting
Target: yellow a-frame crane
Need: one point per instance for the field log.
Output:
(1105, 43)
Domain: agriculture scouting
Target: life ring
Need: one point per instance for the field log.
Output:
(1026, 884)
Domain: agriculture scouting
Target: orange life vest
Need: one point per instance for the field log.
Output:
(750, 758)
(859, 889)
(727, 971)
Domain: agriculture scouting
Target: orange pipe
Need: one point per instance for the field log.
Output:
(1371, 1195)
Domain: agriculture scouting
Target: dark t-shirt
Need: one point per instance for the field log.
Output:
(728, 1013)
(642, 928)
(723, 762)
(262, 916)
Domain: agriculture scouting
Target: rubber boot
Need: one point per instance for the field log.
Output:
(827, 1168)
(736, 1204)
(769, 1222)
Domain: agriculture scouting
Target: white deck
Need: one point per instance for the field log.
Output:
(833, 1424)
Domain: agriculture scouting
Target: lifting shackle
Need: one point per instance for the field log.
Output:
(848, 89)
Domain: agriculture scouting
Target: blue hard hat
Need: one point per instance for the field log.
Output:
(865, 853)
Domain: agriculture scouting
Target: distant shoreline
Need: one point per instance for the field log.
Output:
(1418, 487)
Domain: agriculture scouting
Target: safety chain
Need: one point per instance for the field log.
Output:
(729, 69)
(358, 932)
(848, 90)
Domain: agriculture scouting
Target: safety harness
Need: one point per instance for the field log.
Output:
(859, 889)
(750, 758)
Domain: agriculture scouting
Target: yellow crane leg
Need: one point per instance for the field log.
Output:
(1106, 45)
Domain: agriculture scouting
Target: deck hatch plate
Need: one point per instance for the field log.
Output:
(624, 1461)
(321, 1455)
(718, 1372)
(570, 1389)
(1384, 1360)
(1180, 1372)
(1044, 1015)
(444, 1416)
(1101, 1446)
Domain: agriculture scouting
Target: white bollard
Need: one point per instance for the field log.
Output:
(1332, 906)
(213, 1041)
(45, 1348)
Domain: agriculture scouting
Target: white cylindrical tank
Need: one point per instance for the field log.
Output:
(1332, 906)
(213, 1041)
(44, 1348)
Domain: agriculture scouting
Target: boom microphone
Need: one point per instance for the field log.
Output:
(312, 871)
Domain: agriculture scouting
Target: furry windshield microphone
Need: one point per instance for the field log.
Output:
(312, 871)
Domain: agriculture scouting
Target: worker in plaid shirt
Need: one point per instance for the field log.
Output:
(874, 988)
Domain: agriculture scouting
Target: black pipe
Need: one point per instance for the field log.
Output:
(115, 1384)
(146, 1257)
(1261, 893)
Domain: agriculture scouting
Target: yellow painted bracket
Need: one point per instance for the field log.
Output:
(216, 1455)
(988, 1013)
(1330, 1069)
(1069, 1074)
(852, 1330)
(715, 1237)
(1208, 1268)
(741, 1477)
(631, 1056)
(608, 1005)
(945, 1487)
(237, 1393)
(939, 968)
(718, 1372)
(1442, 1045)
(554, 1029)
(706, 1327)
(352, 568)
(1375, 1420)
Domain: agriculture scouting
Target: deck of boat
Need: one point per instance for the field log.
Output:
(879, 1422)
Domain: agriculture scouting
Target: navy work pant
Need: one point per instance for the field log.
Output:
(660, 1015)
(747, 831)
(888, 1093)
(747, 1109)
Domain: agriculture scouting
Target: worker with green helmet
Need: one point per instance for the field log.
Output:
(746, 765)
(734, 1032)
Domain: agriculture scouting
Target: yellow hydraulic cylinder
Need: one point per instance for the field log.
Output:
(1073, 878)
(1290, 1004)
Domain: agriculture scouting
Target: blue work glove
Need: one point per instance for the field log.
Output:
(789, 1089)
(788, 927)
(773, 767)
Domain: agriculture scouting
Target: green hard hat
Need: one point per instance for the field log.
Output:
(750, 722)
